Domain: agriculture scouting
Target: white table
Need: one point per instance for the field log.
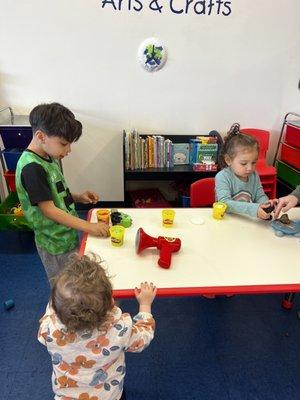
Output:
(233, 255)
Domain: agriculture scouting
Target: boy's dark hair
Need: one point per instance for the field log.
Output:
(55, 119)
(232, 140)
(82, 294)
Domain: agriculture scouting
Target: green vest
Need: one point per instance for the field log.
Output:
(49, 235)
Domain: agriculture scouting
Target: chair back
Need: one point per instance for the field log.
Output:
(202, 192)
(262, 137)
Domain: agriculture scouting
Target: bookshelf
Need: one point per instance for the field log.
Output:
(177, 172)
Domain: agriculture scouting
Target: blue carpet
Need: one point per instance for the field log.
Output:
(239, 348)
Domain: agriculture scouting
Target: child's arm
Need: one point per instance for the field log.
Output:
(260, 195)
(262, 199)
(43, 329)
(59, 216)
(87, 197)
(143, 330)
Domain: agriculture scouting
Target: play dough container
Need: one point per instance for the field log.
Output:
(168, 218)
(219, 209)
(117, 235)
(103, 215)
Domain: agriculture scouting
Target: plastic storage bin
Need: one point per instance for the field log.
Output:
(11, 158)
(288, 174)
(290, 155)
(292, 135)
(8, 220)
(10, 178)
(148, 198)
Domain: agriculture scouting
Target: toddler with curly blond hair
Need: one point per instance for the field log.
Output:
(87, 335)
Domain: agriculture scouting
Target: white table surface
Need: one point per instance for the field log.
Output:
(233, 255)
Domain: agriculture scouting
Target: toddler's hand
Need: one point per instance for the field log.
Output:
(261, 213)
(89, 197)
(99, 229)
(145, 294)
(272, 202)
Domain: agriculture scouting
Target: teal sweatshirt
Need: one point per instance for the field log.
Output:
(241, 197)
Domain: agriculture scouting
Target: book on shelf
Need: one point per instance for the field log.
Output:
(181, 153)
(193, 145)
(207, 153)
(146, 151)
(157, 151)
(150, 142)
(201, 147)
(126, 146)
(205, 167)
(168, 153)
(207, 139)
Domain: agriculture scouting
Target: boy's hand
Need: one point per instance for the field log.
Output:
(145, 295)
(88, 197)
(99, 229)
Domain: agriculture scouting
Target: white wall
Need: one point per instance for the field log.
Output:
(244, 67)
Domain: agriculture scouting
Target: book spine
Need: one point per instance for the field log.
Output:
(168, 153)
(161, 151)
(131, 151)
(126, 148)
(143, 153)
(193, 151)
(172, 155)
(151, 151)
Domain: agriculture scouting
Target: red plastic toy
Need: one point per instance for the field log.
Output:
(166, 246)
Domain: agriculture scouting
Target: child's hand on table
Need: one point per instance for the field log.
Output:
(99, 229)
(264, 211)
(145, 295)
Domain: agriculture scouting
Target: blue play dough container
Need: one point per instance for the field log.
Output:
(292, 229)
(8, 304)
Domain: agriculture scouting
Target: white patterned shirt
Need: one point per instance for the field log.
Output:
(90, 365)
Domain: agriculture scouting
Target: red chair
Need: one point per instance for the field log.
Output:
(202, 192)
(267, 173)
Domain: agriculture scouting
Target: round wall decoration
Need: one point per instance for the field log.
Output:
(152, 54)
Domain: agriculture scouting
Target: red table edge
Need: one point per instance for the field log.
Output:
(220, 290)
(196, 291)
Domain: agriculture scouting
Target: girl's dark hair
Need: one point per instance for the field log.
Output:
(82, 294)
(55, 119)
(232, 140)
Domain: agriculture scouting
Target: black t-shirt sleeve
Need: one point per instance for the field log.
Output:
(34, 181)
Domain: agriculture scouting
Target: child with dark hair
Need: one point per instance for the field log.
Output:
(87, 335)
(47, 202)
(238, 184)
